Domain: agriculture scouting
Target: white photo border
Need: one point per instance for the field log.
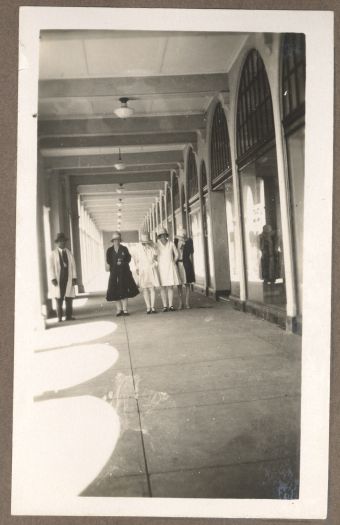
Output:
(318, 27)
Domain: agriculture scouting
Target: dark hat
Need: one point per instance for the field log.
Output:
(61, 237)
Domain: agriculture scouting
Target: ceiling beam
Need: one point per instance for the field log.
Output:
(151, 169)
(112, 126)
(96, 161)
(140, 188)
(112, 179)
(90, 141)
(139, 87)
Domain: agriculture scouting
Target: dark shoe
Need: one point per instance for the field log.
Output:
(153, 311)
(119, 314)
(70, 319)
(171, 309)
(126, 313)
(60, 320)
(165, 309)
(148, 311)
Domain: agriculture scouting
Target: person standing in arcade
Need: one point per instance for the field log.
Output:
(121, 283)
(63, 277)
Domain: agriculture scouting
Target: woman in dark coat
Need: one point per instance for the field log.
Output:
(185, 247)
(121, 283)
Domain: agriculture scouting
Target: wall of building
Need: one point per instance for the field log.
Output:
(230, 260)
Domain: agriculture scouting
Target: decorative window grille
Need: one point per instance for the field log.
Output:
(192, 176)
(163, 211)
(204, 178)
(168, 201)
(293, 76)
(175, 192)
(255, 121)
(219, 146)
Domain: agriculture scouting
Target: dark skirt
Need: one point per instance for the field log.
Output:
(189, 270)
(121, 284)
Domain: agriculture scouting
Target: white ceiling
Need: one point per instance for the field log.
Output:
(104, 204)
(82, 72)
(101, 54)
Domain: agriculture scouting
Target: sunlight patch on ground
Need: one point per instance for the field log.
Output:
(67, 443)
(66, 367)
(71, 334)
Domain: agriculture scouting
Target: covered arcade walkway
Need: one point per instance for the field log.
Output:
(195, 403)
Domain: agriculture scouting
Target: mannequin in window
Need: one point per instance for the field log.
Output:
(267, 247)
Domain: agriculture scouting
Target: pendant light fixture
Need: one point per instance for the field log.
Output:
(124, 111)
(120, 165)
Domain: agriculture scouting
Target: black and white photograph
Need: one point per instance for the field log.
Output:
(173, 274)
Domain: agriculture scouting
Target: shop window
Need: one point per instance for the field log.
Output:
(255, 121)
(175, 192)
(219, 146)
(192, 176)
(293, 76)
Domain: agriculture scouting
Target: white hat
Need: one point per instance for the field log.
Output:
(181, 234)
(145, 237)
(116, 235)
(162, 231)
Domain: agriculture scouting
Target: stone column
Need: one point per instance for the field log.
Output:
(238, 217)
(286, 214)
(287, 237)
(76, 236)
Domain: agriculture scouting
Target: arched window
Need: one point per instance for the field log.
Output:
(204, 179)
(219, 146)
(293, 76)
(164, 213)
(175, 192)
(192, 176)
(168, 201)
(183, 196)
(255, 122)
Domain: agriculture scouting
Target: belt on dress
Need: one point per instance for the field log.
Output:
(179, 260)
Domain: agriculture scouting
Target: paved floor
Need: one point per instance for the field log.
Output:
(208, 399)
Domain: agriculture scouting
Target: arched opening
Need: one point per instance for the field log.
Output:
(176, 202)
(205, 222)
(293, 80)
(183, 207)
(163, 210)
(219, 147)
(215, 206)
(256, 151)
(169, 210)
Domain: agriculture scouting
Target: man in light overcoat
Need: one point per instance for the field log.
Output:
(63, 277)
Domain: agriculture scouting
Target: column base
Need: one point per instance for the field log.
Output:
(238, 304)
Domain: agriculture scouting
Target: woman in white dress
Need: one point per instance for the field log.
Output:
(147, 271)
(167, 257)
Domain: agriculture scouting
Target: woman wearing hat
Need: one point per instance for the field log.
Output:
(121, 283)
(167, 257)
(185, 248)
(147, 271)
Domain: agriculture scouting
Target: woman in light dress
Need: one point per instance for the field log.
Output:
(168, 273)
(147, 271)
(185, 248)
